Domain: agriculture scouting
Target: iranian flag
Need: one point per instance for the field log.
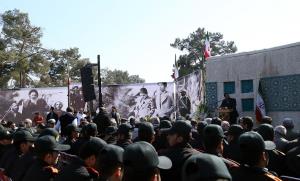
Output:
(175, 74)
(207, 48)
(260, 110)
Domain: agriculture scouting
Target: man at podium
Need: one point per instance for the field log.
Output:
(230, 104)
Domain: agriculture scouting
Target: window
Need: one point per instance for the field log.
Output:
(229, 87)
(247, 86)
(248, 104)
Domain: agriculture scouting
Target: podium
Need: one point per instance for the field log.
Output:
(224, 113)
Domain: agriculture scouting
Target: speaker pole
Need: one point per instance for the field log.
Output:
(99, 83)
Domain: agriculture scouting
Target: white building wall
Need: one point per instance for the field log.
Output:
(278, 61)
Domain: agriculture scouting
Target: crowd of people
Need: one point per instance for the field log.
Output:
(76, 146)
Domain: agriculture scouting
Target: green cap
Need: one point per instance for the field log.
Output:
(142, 155)
(48, 143)
(204, 167)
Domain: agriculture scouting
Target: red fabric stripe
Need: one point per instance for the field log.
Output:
(258, 114)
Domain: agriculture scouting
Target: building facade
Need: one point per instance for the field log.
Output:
(239, 74)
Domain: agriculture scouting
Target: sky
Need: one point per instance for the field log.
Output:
(135, 35)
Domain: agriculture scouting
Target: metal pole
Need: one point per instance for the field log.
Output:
(68, 72)
(99, 83)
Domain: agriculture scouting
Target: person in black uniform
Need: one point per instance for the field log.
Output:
(184, 104)
(214, 144)
(52, 115)
(205, 167)
(22, 144)
(87, 132)
(230, 103)
(83, 168)
(47, 151)
(72, 136)
(102, 120)
(110, 135)
(146, 132)
(114, 114)
(66, 119)
(179, 149)
(276, 158)
(232, 150)
(124, 135)
(5, 141)
(254, 159)
(110, 163)
(141, 162)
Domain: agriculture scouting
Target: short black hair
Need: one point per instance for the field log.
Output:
(33, 90)
(247, 120)
(266, 120)
(69, 109)
(163, 83)
(144, 90)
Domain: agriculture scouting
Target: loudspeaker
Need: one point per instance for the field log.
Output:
(87, 83)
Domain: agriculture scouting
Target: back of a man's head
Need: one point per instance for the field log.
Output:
(213, 138)
(247, 123)
(146, 132)
(266, 120)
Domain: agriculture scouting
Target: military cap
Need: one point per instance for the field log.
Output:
(253, 142)
(266, 131)
(92, 147)
(23, 135)
(48, 143)
(235, 130)
(111, 154)
(91, 127)
(110, 130)
(49, 132)
(165, 124)
(181, 128)
(4, 134)
(204, 167)
(142, 155)
(146, 128)
(213, 130)
(71, 127)
(124, 128)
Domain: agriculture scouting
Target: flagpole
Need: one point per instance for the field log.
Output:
(175, 90)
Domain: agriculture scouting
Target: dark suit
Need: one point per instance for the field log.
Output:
(65, 120)
(184, 105)
(52, 115)
(230, 103)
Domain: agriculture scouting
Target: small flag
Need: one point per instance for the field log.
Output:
(207, 47)
(175, 74)
(260, 110)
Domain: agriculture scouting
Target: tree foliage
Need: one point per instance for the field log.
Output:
(194, 45)
(20, 46)
(24, 59)
(119, 77)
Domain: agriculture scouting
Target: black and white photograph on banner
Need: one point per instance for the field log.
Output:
(140, 100)
(17, 105)
(188, 94)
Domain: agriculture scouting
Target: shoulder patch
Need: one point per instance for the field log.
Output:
(271, 176)
(51, 170)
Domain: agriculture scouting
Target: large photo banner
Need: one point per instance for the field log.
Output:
(188, 95)
(17, 105)
(137, 100)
